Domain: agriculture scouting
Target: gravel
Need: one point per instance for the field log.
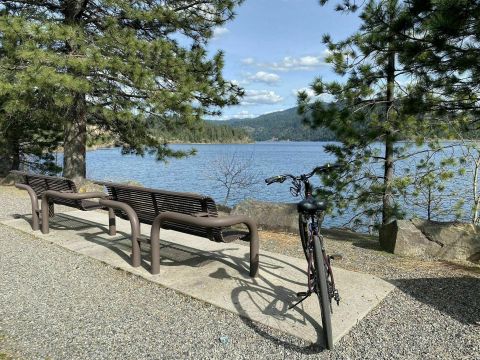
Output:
(60, 305)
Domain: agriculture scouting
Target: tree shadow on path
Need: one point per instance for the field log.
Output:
(457, 297)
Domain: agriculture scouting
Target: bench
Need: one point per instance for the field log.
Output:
(184, 212)
(53, 190)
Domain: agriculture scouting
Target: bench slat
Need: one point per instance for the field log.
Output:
(148, 203)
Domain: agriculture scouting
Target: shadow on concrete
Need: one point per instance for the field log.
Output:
(268, 298)
(278, 308)
(63, 221)
(457, 297)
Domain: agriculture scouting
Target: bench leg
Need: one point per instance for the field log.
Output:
(155, 246)
(112, 229)
(35, 219)
(136, 250)
(134, 223)
(45, 215)
(254, 248)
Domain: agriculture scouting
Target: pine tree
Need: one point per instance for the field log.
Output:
(368, 116)
(443, 50)
(112, 63)
(29, 128)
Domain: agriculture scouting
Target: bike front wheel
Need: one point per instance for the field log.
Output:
(322, 291)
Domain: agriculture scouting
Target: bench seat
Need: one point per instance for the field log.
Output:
(52, 190)
(180, 211)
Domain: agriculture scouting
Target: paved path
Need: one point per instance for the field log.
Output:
(57, 304)
(217, 273)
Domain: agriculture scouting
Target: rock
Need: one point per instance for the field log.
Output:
(443, 240)
(403, 238)
(460, 241)
(270, 216)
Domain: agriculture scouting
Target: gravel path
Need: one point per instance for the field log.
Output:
(59, 305)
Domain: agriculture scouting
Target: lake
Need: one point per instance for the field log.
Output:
(197, 173)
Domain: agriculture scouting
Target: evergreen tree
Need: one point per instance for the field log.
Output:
(442, 48)
(30, 131)
(111, 63)
(369, 117)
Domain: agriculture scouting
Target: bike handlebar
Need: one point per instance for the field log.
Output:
(303, 177)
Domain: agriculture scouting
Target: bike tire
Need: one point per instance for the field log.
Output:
(322, 292)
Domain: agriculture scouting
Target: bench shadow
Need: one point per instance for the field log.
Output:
(62, 221)
(456, 297)
(268, 298)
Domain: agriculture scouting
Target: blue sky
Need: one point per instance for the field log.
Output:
(273, 48)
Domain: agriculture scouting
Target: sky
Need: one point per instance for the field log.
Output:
(273, 48)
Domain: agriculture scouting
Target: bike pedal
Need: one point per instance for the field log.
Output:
(301, 294)
(336, 257)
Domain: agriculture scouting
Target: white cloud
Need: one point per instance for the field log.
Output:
(254, 97)
(308, 90)
(244, 114)
(311, 94)
(219, 31)
(308, 62)
(248, 61)
(264, 77)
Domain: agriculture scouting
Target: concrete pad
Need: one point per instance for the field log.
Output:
(217, 273)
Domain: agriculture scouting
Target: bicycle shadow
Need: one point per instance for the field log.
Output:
(274, 300)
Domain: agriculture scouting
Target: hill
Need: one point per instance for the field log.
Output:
(280, 125)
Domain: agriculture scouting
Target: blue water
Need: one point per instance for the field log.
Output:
(197, 173)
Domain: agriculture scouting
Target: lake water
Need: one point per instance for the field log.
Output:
(197, 173)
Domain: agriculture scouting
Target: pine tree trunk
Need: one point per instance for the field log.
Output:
(10, 158)
(15, 156)
(388, 203)
(75, 142)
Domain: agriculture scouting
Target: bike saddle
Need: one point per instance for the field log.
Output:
(311, 206)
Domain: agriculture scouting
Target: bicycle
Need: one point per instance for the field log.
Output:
(319, 271)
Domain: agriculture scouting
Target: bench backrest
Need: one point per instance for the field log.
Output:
(42, 183)
(148, 203)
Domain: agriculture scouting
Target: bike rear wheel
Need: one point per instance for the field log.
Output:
(322, 292)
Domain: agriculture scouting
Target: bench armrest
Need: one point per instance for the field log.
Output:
(34, 202)
(74, 196)
(201, 214)
(28, 189)
(209, 222)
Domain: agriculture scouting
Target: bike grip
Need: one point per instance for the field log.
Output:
(273, 179)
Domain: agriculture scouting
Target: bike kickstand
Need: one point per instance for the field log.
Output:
(305, 295)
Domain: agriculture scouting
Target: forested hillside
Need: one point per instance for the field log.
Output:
(204, 132)
(280, 125)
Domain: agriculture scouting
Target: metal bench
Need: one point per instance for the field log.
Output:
(184, 212)
(53, 190)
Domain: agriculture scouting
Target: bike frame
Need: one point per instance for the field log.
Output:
(313, 224)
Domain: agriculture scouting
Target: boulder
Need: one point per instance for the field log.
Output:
(422, 238)
(459, 241)
(269, 215)
(402, 237)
